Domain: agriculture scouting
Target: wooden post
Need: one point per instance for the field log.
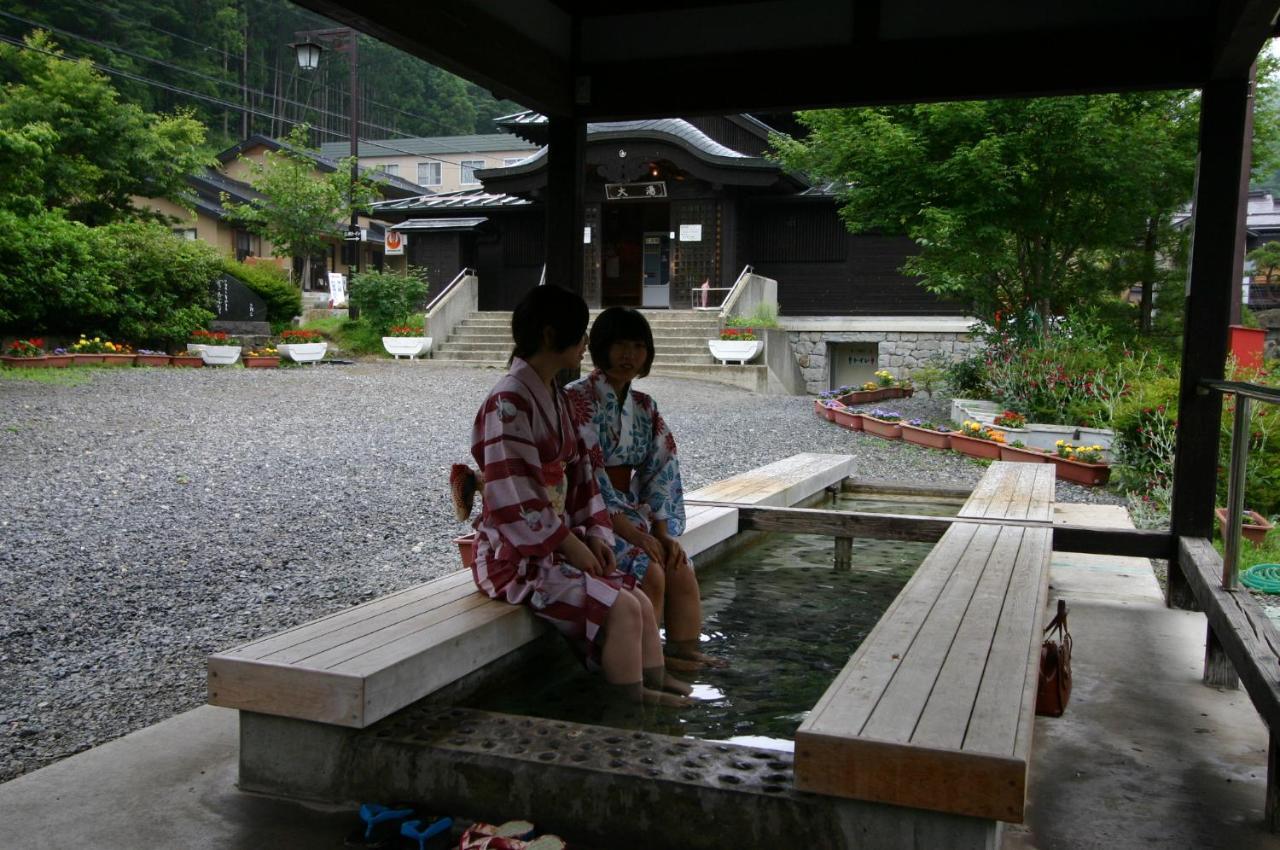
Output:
(1219, 672)
(566, 168)
(1223, 106)
(844, 553)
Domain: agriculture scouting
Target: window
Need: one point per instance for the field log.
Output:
(512, 160)
(469, 168)
(428, 174)
(390, 169)
(188, 233)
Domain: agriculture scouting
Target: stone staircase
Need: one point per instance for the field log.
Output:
(680, 337)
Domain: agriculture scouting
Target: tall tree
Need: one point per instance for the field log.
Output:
(301, 207)
(1026, 207)
(73, 145)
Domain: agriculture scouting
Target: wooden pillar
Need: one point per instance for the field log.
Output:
(566, 168)
(844, 553)
(1272, 802)
(1223, 107)
(1219, 672)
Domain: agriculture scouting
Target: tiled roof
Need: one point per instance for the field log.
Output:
(325, 163)
(676, 128)
(1262, 216)
(427, 145)
(469, 199)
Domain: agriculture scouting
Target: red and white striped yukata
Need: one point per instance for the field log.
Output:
(539, 485)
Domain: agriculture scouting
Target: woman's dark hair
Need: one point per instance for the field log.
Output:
(620, 324)
(548, 306)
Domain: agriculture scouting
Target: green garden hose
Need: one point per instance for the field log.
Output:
(1263, 577)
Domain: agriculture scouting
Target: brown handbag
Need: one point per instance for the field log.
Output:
(1055, 666)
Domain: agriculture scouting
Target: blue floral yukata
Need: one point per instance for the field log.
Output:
(631, 434)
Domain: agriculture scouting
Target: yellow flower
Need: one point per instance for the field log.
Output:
(1061, 443)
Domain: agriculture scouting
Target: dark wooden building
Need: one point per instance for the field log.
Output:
(670, 204)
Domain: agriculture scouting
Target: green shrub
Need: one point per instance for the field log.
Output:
(283, 299)
(387, 298)
(162, 283)
(967, 377)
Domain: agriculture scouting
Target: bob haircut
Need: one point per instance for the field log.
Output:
(548, 306)
(620, 324)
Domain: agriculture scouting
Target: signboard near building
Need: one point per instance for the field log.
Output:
(394, 245)
(635, 191)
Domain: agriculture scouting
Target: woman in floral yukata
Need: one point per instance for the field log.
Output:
(640, 478)
(544, 538)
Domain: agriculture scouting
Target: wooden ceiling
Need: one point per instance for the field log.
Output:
(601, 60)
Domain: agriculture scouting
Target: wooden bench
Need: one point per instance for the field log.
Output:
(936, 708)
(357, 666)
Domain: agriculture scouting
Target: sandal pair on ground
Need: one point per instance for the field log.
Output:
(397, 826)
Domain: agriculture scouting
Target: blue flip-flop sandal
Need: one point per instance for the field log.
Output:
(381, 826)
(415, 830)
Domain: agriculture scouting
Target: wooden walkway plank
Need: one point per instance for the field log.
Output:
(896, 716)
(946, 716)
(852, 697)
(1015, 656)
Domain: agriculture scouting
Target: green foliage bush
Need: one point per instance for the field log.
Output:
(131, 280)
(967, 377)
(283, 299)
(387, 298)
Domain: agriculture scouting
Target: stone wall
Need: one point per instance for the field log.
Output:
(901, 352)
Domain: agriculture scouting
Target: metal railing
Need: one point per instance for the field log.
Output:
(736, 290)
(1245, 394)
(697, 293)
(431, 305)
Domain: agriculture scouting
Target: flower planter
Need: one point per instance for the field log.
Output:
(1023, 455)
(1254, 528)
(261, 361)
(406, 346)
(467, 549)
(220, 355)
(882, 428)
(862, 397)
(1088, 474)
(113, 359)
(926, 437)
(974, 446)
(58, 361)
(307, 352)
(38, 362)
(152, 359)
(195, 347)
(740, 351)
(87, 359)
(847, 419)
(820, 410)
(187, 361)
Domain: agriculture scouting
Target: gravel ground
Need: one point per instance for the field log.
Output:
(155, 516)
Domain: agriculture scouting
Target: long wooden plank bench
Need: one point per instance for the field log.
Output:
(357, 666)
(936, 708)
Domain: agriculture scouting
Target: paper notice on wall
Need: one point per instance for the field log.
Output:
(691, 233)
(586, 235)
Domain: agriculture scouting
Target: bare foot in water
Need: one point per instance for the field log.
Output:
(676, 686)
(663, 698)
(693, 660)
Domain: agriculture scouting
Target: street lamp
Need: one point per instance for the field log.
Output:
(308, 50)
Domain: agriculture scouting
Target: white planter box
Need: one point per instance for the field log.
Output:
(406, 346)
(283, 349)
(307, 352)
(1034, 434)
(739, 351)
(195, 347)
(220, 355)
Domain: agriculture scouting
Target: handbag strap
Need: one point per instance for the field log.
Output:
(1059, 621)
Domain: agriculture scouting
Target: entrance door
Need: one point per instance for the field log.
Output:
(626, 263)
(656, 267)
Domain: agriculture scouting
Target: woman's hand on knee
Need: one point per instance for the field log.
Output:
(652, 547)
(673, 556)
(604, 555)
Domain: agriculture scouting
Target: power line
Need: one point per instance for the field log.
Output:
(216, 100)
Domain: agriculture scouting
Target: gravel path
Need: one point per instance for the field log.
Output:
(154, 516)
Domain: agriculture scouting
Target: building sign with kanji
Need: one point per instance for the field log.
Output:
(634, 191)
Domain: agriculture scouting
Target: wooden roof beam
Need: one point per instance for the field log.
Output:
(1243, 28)
(461, 38)
(884, 72)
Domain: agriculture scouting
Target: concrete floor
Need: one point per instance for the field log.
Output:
(1146, 755)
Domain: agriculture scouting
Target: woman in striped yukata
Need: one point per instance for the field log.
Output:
(544, 538)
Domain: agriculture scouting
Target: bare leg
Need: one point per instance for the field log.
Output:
(655, 588)
(620, 656)
(685, 622)
(655, 670)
